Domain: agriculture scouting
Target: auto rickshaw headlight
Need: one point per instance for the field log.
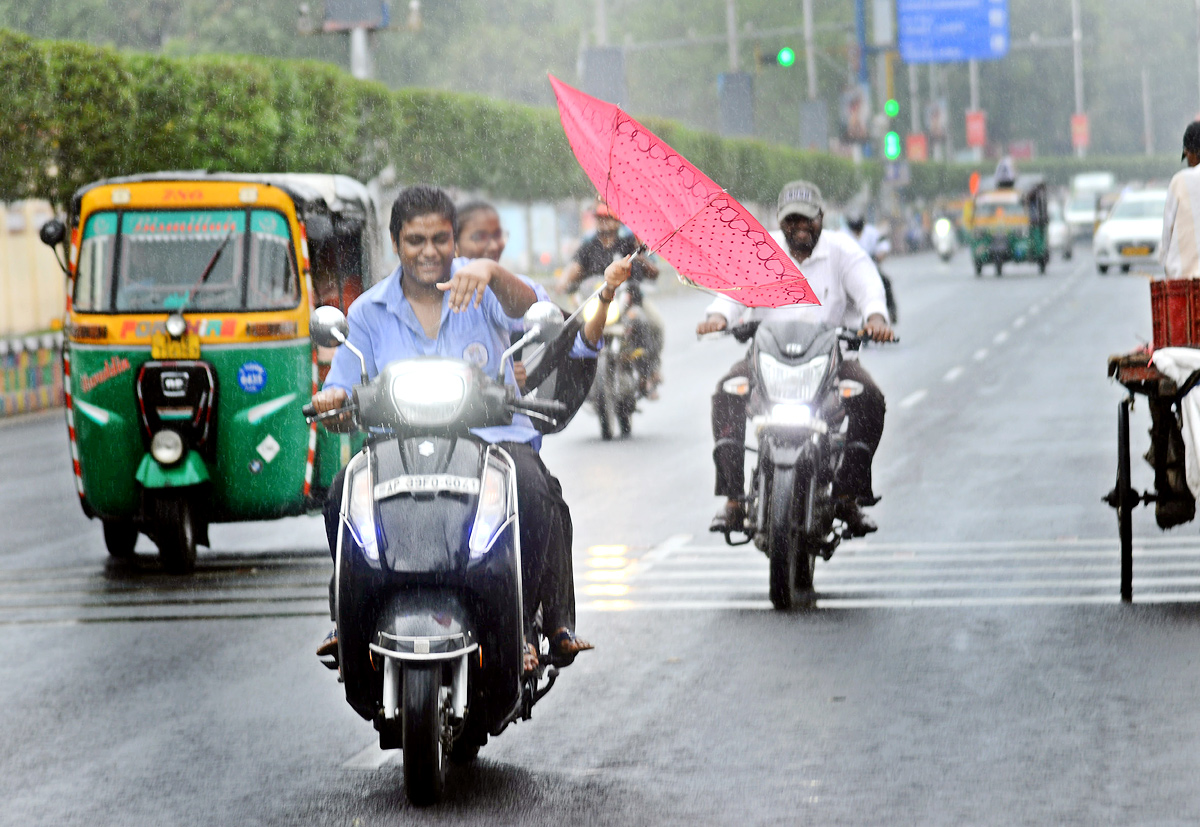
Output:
(166, 447)
(176, 326)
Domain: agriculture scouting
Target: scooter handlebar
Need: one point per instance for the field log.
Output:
(545, 407)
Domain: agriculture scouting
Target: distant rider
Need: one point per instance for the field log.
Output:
(876, 245)
(848, 285)
(596, 253)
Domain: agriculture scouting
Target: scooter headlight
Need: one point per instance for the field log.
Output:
(166, 447)
(942, 227)
(493, 513)
(361, 511)
(792, 383)
(429, 392)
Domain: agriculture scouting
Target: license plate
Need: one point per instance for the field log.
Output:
(1135, 251)
(164, 347)
(427, 484)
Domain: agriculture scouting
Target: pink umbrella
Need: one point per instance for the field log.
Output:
(709, 238)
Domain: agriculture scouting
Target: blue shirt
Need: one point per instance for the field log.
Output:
(385, 328)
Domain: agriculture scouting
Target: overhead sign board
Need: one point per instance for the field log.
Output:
(343, 15)
(948, 31)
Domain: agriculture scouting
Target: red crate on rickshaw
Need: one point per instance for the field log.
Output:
(1175, 308)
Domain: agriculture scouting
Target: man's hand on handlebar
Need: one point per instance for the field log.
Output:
(878, 329)
(715, 323)
(331, 399)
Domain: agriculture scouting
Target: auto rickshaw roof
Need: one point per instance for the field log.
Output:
(322, 192)
(1024, 185)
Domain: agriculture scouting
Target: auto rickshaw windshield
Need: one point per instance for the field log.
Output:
(158, 256)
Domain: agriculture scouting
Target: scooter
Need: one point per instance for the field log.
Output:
(427, 585)
(945, 242)
(797, 413)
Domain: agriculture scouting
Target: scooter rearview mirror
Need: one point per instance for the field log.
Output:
(545, 320)
(328, 326)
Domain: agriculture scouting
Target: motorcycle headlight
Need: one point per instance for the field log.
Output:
(593, 305)
(361, 511)
(166, 447)
(493, 512)
(942, 227)
(429, 392)
(792, 383)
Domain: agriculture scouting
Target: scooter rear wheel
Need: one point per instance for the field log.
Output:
(424, 751)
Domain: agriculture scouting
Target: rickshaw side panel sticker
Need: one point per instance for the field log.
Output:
(219, 328)
(252, 377)
(113, 367)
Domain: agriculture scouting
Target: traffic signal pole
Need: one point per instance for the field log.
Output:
(810, 53)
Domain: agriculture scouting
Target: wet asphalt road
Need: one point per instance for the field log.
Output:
(969, 664)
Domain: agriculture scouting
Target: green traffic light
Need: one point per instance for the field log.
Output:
(891, 146)
(891, 108)
(786, 56)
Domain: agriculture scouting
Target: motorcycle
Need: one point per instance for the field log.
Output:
(620, 367)
(797, 413)
(427, 585)
(945, 240)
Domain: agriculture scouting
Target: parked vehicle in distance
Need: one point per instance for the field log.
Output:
(1080, 211)
(1008, 224)
(1058, 234)
(1132, 232)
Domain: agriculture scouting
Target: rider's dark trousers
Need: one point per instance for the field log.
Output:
(864, 413)
(547, 574)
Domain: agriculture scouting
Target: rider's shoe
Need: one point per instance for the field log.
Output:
(857, 523)
(328, 650)
(731, 517)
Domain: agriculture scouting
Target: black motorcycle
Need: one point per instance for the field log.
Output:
(797, 413)
(427, 587)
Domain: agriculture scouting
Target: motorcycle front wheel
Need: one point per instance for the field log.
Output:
(783, 550)
(424, 752)
(606, 396)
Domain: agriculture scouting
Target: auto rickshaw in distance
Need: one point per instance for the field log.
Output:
(1009, 223)
(187, 353)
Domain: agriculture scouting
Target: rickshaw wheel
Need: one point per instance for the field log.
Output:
(176, 535)
(119, 538)
(1042, 266)
(1125, 501)
(999, 269)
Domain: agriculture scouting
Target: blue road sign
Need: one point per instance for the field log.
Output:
(948, 31)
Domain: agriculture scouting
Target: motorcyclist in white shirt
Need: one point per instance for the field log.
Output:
(848, 285)
(878, 247)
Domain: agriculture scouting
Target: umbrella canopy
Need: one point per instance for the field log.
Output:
(709, 238)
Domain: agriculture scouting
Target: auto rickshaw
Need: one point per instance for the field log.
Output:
(1008, 223)
(187, 355)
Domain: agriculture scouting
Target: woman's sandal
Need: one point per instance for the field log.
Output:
(564, 646)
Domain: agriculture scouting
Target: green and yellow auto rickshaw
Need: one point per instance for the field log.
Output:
(187, 356)
(1008, 224)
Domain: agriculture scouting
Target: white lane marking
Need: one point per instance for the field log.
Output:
(966, 602)
(666, 548)
(981, 354)
(953, 374)
(1000, 338)
(913, 398)
(1019, 322)
(1036, 309)
(371, 758)
(676, 606)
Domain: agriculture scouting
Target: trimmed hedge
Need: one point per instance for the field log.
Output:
(74, 113)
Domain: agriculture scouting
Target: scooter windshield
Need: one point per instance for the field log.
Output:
(146, 261)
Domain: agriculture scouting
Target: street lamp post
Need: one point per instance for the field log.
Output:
(1077, 47)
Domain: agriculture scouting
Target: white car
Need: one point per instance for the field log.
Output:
(1132, 232)
(1058, 234)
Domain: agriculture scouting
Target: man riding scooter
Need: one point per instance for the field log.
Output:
(848, 286)
(434, 304)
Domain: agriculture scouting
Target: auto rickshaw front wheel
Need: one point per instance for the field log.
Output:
(175, 533)
(120, 536)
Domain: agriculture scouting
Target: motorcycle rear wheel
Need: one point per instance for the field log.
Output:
(424, 753)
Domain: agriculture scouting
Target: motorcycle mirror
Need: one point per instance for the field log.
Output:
(328, 326)
(848, 388)
(545, 320)
(53, 232)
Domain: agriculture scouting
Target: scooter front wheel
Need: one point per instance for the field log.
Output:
(424, 750)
